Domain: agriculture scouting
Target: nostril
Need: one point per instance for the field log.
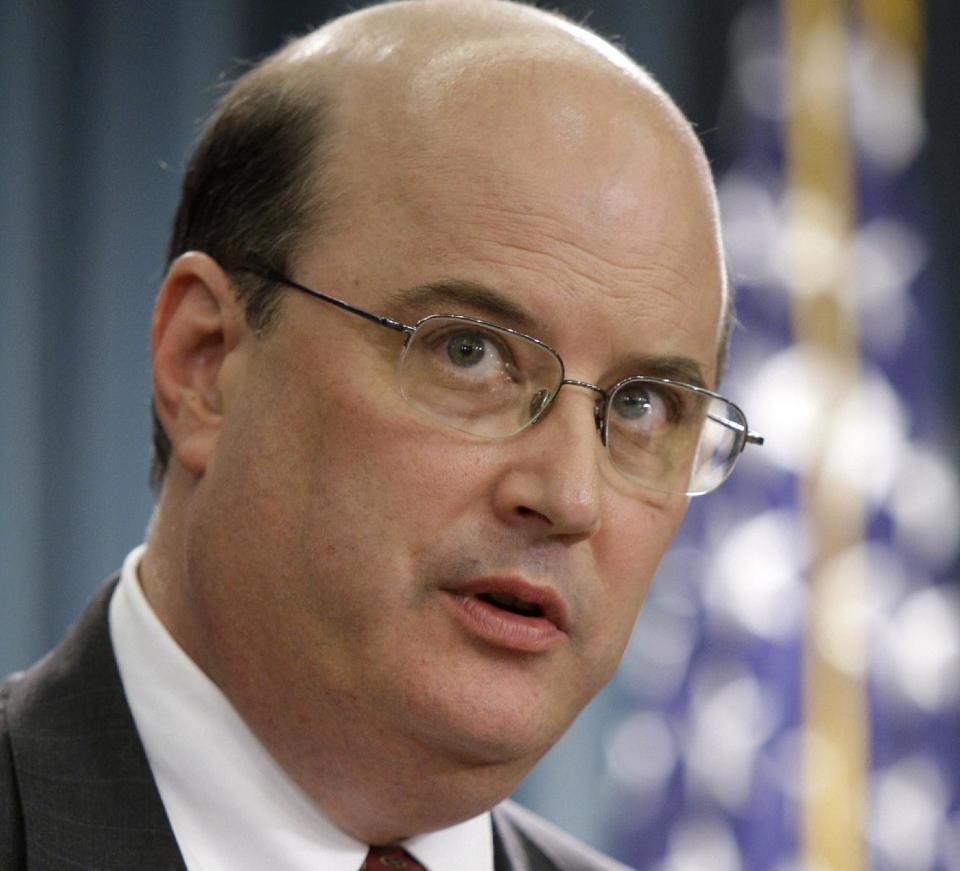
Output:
(524, 511)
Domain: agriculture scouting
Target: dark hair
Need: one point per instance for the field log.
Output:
(251, 190)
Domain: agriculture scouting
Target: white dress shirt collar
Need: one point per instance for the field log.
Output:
(230, 805)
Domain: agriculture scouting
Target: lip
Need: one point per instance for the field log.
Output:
(503, 628)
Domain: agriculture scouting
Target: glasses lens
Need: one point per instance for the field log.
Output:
(671, 437)
(477, 377)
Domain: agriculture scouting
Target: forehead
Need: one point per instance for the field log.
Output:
(579, 198)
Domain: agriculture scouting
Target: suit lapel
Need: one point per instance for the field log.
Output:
(88, 797)
(508, 850)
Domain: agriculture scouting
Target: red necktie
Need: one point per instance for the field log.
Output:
(390, 859)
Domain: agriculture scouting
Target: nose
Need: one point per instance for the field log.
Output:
(551, 484)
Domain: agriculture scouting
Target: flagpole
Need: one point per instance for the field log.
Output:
(821, 215)
(895, 21)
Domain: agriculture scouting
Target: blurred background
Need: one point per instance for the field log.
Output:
(791, 698)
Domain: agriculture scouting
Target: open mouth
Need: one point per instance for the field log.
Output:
(506, 602)
(510, 612)
(517, 600)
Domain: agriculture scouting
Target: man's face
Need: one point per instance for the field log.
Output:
(347, 546)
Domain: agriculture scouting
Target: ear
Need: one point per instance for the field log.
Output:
(197, 322)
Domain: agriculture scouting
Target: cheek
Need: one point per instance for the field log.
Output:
(628, 550)
(372, 475)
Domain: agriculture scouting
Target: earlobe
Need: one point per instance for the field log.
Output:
(195, 327)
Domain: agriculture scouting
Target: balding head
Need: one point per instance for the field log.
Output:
(428, 550)
(422, 40)
(450, 74)
(392, 79)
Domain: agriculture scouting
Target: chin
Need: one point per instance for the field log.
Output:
(495, 735)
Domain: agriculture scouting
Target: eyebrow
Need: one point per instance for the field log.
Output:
(674, 368)
(455, 294)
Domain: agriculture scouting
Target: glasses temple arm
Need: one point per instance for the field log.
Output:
(277, 278)
(753, 438)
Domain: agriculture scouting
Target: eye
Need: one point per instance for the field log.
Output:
(643, 402)
(483, 379)
(466, 348)
(645, 408)
(632, 403)
(473, 353)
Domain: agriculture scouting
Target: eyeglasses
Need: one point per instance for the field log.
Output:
(491, 381)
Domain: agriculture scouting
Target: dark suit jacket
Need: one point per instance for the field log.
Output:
(76, 790)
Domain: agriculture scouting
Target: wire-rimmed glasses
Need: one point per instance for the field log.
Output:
(492, 381)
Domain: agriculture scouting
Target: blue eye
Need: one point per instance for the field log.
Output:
(633, 403)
